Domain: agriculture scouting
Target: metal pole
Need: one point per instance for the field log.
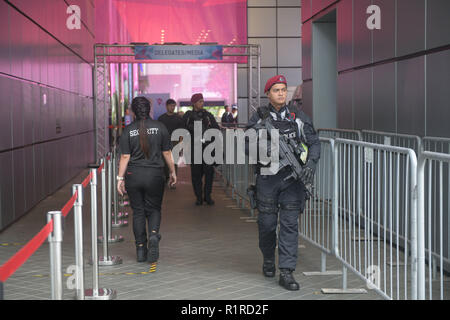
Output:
(104, 226)
(55, 240)
(418, 246)
(114, 164)
(94, 229)
(106, 260)
(95, 103)
(2, 297)
(323, 262)
(115, 238)
(117, 223)
(334, 229)
(344, 278)
(250, 83)
(95, 293)
(78, 225)
(259, 75)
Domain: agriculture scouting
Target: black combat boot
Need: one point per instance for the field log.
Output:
(153, 248)
(199, 202)
(269, 268)
(141, 252)
(209, 201)
(287, 280)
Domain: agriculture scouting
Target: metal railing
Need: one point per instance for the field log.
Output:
(237, 177)
(393, 139)
(340, 133)
(316, 221)
(364, 210)
(436, 144)
(434, 224)
(376, 215)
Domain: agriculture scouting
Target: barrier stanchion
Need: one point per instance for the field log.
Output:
(78, 226)
(96, 293)
(55, 239)
(117, 223)
(106, 259)
(110, 237)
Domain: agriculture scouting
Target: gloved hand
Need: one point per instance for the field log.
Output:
(308, 172)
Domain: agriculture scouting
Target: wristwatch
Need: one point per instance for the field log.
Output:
(119, 178)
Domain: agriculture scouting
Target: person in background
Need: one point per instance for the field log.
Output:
(296, 101)
(227, 118)
(128, 118)
(144, 147)
(234, 112)
(199, 169)
(172, 121)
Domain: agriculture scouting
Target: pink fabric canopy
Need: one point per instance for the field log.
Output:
(162, 21)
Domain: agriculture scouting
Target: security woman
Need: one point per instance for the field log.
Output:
(276, 194)
(143, 145)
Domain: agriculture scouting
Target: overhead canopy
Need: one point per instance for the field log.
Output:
(162, 21)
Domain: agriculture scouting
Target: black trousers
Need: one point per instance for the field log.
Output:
(285, 200)
(197, 173)
(145, 188)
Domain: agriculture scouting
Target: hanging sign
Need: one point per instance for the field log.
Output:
(175, 52)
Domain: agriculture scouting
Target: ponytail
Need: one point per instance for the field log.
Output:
(143, 141)
(141, 108)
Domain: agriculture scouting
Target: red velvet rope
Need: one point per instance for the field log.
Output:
(65, 210)
(17, 260)
(87, 180)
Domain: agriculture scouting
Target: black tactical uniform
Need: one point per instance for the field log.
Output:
(198, 170)
(287, 198)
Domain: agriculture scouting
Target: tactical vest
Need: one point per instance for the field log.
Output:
(292, 129)
(286, 127)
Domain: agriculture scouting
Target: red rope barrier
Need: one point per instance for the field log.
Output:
(87, 180)
(16, 261)
(65, 210)
(99, 170)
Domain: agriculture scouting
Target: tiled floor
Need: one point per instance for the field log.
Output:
(205, 253)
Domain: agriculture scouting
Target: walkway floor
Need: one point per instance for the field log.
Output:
(205, 253)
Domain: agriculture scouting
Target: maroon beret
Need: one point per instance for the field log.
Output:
(196, 97)
(274, 80)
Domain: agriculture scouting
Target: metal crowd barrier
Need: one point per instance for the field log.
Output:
(434, 225)
(393, 139)
(237, 177)
(375, 215)
(316, 222)
(340, 133)
(436, 144)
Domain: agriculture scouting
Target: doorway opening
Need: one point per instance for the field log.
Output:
(324, 71)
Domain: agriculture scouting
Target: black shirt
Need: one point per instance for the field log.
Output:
(227, 119)
(158, 139)
(172, 122)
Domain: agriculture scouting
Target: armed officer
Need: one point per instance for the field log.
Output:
(279, 194)
(198, 170)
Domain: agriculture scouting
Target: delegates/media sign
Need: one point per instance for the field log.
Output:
(176, 52)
